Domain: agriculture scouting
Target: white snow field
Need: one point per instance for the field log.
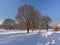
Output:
(42, 37)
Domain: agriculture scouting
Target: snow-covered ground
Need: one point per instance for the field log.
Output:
(41, 37)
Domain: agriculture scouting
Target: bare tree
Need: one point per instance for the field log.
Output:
(56, 28)
(8, 23)
(46, 21)
(35, 19)
(28, 15)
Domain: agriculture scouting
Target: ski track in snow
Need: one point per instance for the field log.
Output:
(33, 38)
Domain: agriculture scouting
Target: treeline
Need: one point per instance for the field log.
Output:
(28, 18)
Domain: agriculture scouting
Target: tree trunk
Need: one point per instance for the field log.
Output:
(28, 30)
(47, 27)
(32, 29)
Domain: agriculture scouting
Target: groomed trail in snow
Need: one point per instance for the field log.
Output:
(38, 37)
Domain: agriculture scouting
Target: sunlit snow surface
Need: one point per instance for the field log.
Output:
(41, 37)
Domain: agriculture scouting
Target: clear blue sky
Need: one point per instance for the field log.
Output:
(9, 8)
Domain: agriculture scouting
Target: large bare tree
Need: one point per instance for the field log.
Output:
(29, 16)
(46, 21)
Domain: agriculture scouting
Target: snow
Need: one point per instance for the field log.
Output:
(2, 31)
(38, 37)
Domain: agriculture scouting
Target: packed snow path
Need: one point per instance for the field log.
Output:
(33, 38)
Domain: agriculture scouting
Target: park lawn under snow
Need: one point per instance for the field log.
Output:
(41, 37)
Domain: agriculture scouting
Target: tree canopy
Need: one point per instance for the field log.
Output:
(29, 16)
